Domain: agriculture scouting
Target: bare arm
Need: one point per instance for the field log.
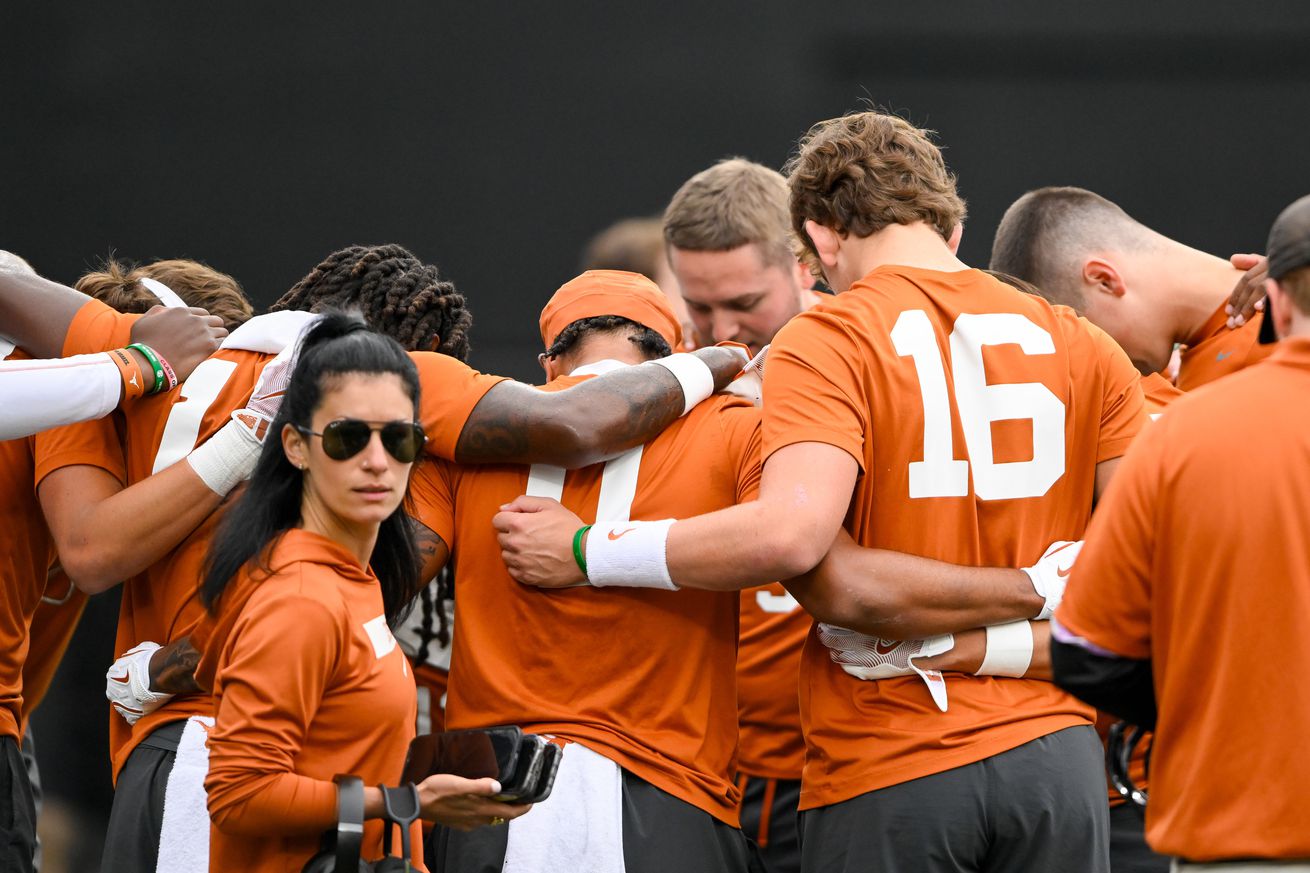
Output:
(897, 596)
(1104, 473)
(173, 668)
(588, 423)
(36, 312)
(432, 549)
(971, 646)
(106, 533)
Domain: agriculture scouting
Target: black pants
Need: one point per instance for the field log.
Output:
(1129, 852)
(17, 811)
(1039, 807)
(768, 817)
(137, 817)
(661, 834)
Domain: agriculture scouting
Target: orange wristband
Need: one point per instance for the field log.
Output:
(134, 384)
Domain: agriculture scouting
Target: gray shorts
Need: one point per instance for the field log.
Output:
(661, 834)
(137, 816)
(1038, 807)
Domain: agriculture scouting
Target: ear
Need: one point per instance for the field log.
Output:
(957, 234)
(295, 447)
(1102, 276)
(550, 366)
(804, 278)
(1278, 307)
(826, 242)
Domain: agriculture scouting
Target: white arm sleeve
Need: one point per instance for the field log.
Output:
(39, 395)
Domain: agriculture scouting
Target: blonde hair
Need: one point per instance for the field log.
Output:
(118, 284)
(733, 203)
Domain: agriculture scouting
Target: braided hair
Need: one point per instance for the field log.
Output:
(432, 606)
(397, 294)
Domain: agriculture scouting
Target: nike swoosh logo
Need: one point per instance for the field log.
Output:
(883, 649)
(1062, 573)
(614, 536)
(121, 681)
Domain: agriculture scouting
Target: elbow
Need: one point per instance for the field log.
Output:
(789, 552)
(91, 569)
(575, 446)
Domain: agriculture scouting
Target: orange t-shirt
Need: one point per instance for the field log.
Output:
(1159, 393)
(773, 630)
(24, 540)
(163, 603)
(310, 684)
(645, 677)
(51, 630)
(1217, 350)
(977, 414)
(1170, 573)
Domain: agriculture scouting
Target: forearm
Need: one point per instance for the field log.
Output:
(249, 801)
(591, 422)
(36, 312)
(898, 596)
(122, 535)
(970, 649)
(39, 395)
(173, 668)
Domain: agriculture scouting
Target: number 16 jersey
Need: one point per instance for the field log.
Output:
(977, 414)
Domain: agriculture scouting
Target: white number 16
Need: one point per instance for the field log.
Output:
(939, 474)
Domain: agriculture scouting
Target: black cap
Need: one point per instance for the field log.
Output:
(1288, 250)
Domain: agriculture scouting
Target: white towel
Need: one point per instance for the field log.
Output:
(579, 828)
(184, 834)
(269, 333)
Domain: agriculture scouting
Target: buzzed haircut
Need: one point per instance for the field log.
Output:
(634, 245)
(1046, 233)
(733, 203)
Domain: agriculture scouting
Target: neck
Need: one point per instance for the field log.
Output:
(356, 539)
(1190, 286)
(904, 245)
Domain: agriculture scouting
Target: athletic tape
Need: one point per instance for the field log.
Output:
(1009, 650)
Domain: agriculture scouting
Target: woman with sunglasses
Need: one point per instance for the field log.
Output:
(318, 558)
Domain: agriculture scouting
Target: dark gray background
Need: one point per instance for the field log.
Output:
(494, 139)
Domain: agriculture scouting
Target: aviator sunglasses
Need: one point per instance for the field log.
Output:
(347, 437)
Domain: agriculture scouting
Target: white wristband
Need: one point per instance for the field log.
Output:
(693, 375)
(226, 459)
(629, 554)
(1009, 650)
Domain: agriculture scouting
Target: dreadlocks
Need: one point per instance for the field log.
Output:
(651, 343)
(397, 294)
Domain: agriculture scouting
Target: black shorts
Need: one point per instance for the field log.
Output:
(1041, 806)
(17, 811)
(1129, 852)
(661, 834)
(137, 816)
(768, 817)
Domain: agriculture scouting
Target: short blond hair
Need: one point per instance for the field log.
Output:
(865, 171)
(634, 245)
(733, 203)
(118, 284)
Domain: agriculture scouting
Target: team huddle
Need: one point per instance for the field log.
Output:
(791, 560)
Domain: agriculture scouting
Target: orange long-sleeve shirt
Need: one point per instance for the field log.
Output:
(310, 684)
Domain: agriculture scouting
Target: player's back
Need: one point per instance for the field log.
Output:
(162, 604)
(978, 414)
(646, 677)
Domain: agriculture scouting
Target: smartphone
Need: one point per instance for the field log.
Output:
(550, 761)
(531, 754)
(474, 754)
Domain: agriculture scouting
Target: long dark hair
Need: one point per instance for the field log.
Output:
(338, 344)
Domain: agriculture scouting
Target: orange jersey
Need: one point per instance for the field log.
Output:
(645, 677)
(51, 630)
(1159, 392)
(162, 604)
(977, 414)
(1169, 573)
(1217, 351)
(310, 684)
(773, 630)
(25, 544)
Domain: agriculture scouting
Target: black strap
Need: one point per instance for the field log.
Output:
(350, 822)
(401, 808)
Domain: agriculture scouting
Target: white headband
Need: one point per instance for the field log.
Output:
(166, 295)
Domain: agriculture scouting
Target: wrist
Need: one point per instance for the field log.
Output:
(724, 364)
(373, 802)
(147, 372)
(629, 554)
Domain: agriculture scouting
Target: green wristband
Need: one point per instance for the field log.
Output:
(577, 548)
(161, 381)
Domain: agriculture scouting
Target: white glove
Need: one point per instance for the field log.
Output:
(127, 684)
(1051, 573)
(873, 658)
(229, 456)
(750, 382)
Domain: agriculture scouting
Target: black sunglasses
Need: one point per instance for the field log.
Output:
(347, 437)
